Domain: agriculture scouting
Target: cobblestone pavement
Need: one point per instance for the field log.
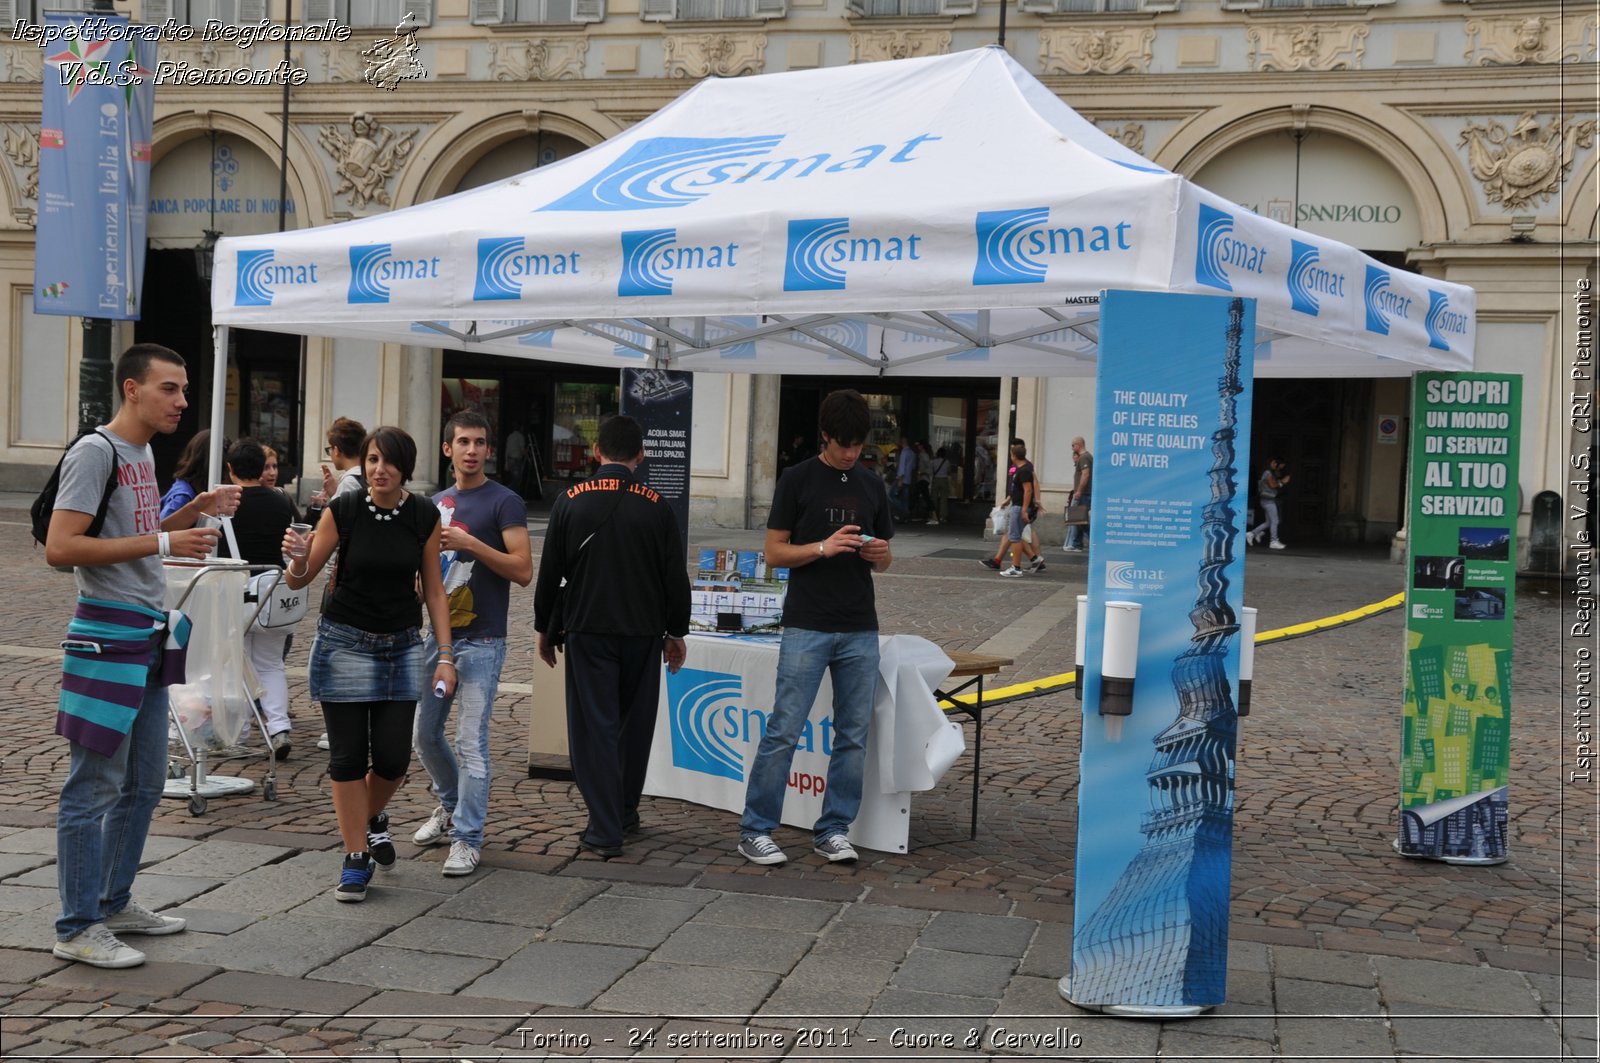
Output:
(1338, 948)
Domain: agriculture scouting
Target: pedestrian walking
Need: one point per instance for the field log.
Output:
(940, 487)
(1082, 484)
(1274, 478)
(614, 589)
(830, 525)
(367, 660)
(484, 539)
(1011, 540)
(113, 706)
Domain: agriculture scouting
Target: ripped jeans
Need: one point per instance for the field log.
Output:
(461, 776)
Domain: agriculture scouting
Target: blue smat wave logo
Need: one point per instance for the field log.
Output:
(804, 269)
(1384, 302)
(641, 270)
(365, 284)
(696, 700)
(659, 172)
(1304, 258)
(1214, 229)
(1002, 258)
(1442, 319)
(253, 286)
(493, 280)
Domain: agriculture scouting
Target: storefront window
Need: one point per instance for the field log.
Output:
(579, 408)
(985, 451)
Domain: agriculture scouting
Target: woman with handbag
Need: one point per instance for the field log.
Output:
(264, 515)
(367, 660)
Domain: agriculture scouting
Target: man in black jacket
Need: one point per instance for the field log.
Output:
(624, 606)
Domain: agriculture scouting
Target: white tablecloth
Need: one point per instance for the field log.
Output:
(713, 712)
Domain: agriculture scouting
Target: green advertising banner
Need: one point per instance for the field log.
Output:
(1455, 739)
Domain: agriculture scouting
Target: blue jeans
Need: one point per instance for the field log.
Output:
(104, 816)
(851, 658)
(461, 776)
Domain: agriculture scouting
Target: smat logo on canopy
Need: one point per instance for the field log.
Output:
(1218, 249)
(652, 257)
(820, 250)
(1308, 278)
(504, 263)
(1012, 244)
(1383, 301)
(1442, 319)
(660, 172)
(258, 276)
(373, 268)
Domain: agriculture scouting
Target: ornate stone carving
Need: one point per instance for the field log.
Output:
(873, 45)
(366, 159)
(1129, 134)
(698, 55)
(545, 59)
(343, 64)
(21, 145)
(24, 62)
(1526, 163)
(1308, 46)
(1512, 40)
(1100, 50)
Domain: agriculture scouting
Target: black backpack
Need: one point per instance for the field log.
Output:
(45, 504)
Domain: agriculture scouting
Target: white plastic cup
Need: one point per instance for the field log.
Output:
(302, 540)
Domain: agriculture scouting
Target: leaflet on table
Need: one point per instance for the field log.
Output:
(735, 592)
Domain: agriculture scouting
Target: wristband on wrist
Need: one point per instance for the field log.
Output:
(163, 544)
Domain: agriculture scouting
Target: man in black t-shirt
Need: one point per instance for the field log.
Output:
(830, 525)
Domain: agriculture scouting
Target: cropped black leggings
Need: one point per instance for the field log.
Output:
(363, 734)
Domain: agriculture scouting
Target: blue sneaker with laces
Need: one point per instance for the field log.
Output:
(352, 888)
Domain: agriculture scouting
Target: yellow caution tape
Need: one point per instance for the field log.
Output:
(1033, 687)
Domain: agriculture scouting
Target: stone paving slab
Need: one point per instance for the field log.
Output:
(655, 988)
(739, 948)
(1454, 1032)
(822, 986)
(460, 937)
(20, 965)
(768, 913)
(289, 945)
(630, 921)
(1417, 985)
(16, 899)
(968, 932)
(14, 865)
(519, 899)
(394, 968)
(152, 979)
(213, 859)
(558, 973)
(281, 993)
(384, 905)
(959, 973)
(455, 1010)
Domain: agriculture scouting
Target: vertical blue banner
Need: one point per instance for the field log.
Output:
(1155, 794)
(94, 167)
(662, 401)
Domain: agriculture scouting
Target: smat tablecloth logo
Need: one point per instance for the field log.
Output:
(706, 709)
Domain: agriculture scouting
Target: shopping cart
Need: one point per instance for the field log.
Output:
(212, 715)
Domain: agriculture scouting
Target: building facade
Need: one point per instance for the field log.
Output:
(1453, 137)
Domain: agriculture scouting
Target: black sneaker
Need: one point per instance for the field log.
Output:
(379, 844)
(990, 562)
(353, 878)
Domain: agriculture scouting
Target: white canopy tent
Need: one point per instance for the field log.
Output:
(940, 217)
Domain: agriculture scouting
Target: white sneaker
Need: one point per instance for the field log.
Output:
(436, 831)
(1276, 545)
(1011, 572)
(322, 743)
(98, 947)
(762, 850)
(463, 859)
(835, 849)
(137, 919)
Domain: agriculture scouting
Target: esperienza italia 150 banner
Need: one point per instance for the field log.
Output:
(1455, 737)
(94, 168)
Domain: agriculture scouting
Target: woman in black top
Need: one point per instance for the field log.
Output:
(367, 660)
(263, 516)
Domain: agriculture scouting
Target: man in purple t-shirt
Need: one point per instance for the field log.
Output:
(484, 545)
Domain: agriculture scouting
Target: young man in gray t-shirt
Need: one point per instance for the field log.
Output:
(108, 799)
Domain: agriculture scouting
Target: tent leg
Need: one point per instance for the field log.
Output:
(219, 394)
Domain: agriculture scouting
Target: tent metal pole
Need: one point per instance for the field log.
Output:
(219, 393)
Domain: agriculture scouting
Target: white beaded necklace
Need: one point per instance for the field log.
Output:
(384, 514)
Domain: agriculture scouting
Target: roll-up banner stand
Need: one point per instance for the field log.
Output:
(1455, 728)
(1166, 590)
(662, 401)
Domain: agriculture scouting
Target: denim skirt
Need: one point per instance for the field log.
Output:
(348, 664)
